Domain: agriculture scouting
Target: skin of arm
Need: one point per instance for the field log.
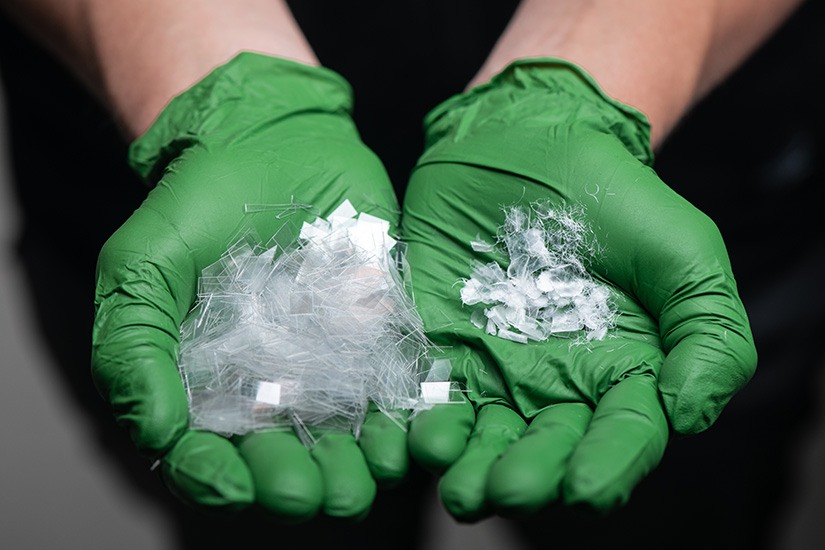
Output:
(136, 56)
(659, 57)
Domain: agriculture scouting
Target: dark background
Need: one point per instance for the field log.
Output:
(750, 156)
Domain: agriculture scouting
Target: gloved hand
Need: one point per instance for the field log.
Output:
(257, 130)
(549, 421)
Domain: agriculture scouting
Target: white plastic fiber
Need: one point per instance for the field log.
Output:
(546, 289)
(304, 336)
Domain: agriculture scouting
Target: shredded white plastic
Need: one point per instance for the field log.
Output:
(305, 335)
(546, 289)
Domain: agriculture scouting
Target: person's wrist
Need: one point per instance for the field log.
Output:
(528, 92)
(241, 93)
(137, 108)
(150, 52)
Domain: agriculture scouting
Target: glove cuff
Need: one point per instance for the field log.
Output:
(248, 91)
(541, 90)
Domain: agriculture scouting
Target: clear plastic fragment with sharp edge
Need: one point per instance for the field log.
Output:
(546, 289)
(305, 335)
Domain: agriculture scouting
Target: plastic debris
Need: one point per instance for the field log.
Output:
(546, 289)
(305, 335)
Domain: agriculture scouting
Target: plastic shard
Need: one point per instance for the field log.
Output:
(546, 289)
(305, 335)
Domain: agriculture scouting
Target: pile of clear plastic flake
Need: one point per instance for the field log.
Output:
(546, 289)
(307, 335)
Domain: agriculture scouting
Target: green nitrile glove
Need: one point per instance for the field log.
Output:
(582, 424)
(257, 130)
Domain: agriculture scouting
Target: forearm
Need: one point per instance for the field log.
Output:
(135, 56)
(660, 57)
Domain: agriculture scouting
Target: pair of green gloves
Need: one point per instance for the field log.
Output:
(543, 421)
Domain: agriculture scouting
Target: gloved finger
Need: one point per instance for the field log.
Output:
(687, 279)
(134, 347)
(383, 440)
(682, 274)
(528, 475)
(705, 334)
(349, 488)
(710, 352)
(438, 436)
(288, 482)
(623, 443)
(463, 488)
(672, 257)
(205, 469)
